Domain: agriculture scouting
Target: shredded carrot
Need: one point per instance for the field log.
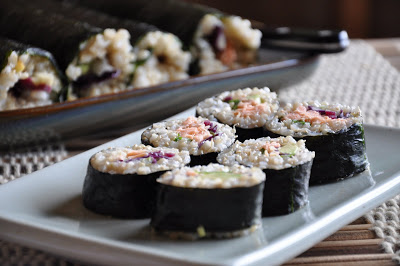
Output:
(191, 173)
(192, 129)
(249, 109)
(228, 56)
(271, 147)
(301, 113)
(136, 153)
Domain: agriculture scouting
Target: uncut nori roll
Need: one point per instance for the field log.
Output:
(202, 138)
(287, 165)
(159, 55)
(334, 131)
(29, 76)
(218, 41)
(209, 201)
(247, 109)
(91, 57)
(121, 182)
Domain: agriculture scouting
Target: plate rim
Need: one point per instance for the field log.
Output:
(387, 190)
(12, 115)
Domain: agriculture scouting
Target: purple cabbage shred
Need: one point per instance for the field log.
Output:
(207, 139)
(27, 84)
(217, 39)
(212, 128)
(86, 80)
(227, 99)
(155, 156)
(330, 114)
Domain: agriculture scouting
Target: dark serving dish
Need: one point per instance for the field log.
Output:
(275, 69)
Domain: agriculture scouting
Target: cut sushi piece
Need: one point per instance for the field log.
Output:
(202, 138)
(246, 109)
(159, 55)
(121, 182)
(287, 165)
(93, 59)
(209, 201)
(218, 41)
(29, 76)
(334, 131)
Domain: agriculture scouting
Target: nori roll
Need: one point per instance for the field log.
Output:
(159, 55)
(246, 109)
(95, 60)
(334, 131)
(287, 165)
(218, 41)
(121, 182)
(29, 76)
(203, 139)
(208, 201)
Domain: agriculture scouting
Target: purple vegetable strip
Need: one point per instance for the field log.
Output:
(155, 156)
(27, 84)
(209, 138)
(343, 115)
(227, 99)
(217, 39)
(86, 80)
(212, 128)
(330, 114)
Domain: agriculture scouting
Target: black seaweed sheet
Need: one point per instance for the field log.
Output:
(337, 156)
(203, 159)
(7, 46)
(286, 190)
(96, 18)
(118, 195)
(173, 16)
(52, 32)
(216, 210)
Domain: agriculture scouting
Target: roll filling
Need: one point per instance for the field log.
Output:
(29, 76)
(334, 131)
(209, 201)
(225, 42)
(103, 64)
(160, 58)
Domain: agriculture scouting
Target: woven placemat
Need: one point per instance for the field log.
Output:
(360, 76)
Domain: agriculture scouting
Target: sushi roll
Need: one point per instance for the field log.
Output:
(29, 76)
(334, 131)
(159, 55)
(287, 165)
(121, 182)
(218, 41)
(201, 137)
(208, 201)
(93, 59)
(246, 109)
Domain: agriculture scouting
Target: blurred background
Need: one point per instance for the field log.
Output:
(361, 18)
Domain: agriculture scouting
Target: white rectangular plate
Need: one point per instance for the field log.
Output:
(44, 210)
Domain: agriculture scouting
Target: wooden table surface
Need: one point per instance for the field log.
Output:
(354, 244)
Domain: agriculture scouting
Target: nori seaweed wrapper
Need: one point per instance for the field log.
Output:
(249, 133)
(118, 195)
(55, 33)
(216, 210)
(286, 190)
(337, 156)
(7, 46)
(203, 159)
(174, 16)
(96, 18)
